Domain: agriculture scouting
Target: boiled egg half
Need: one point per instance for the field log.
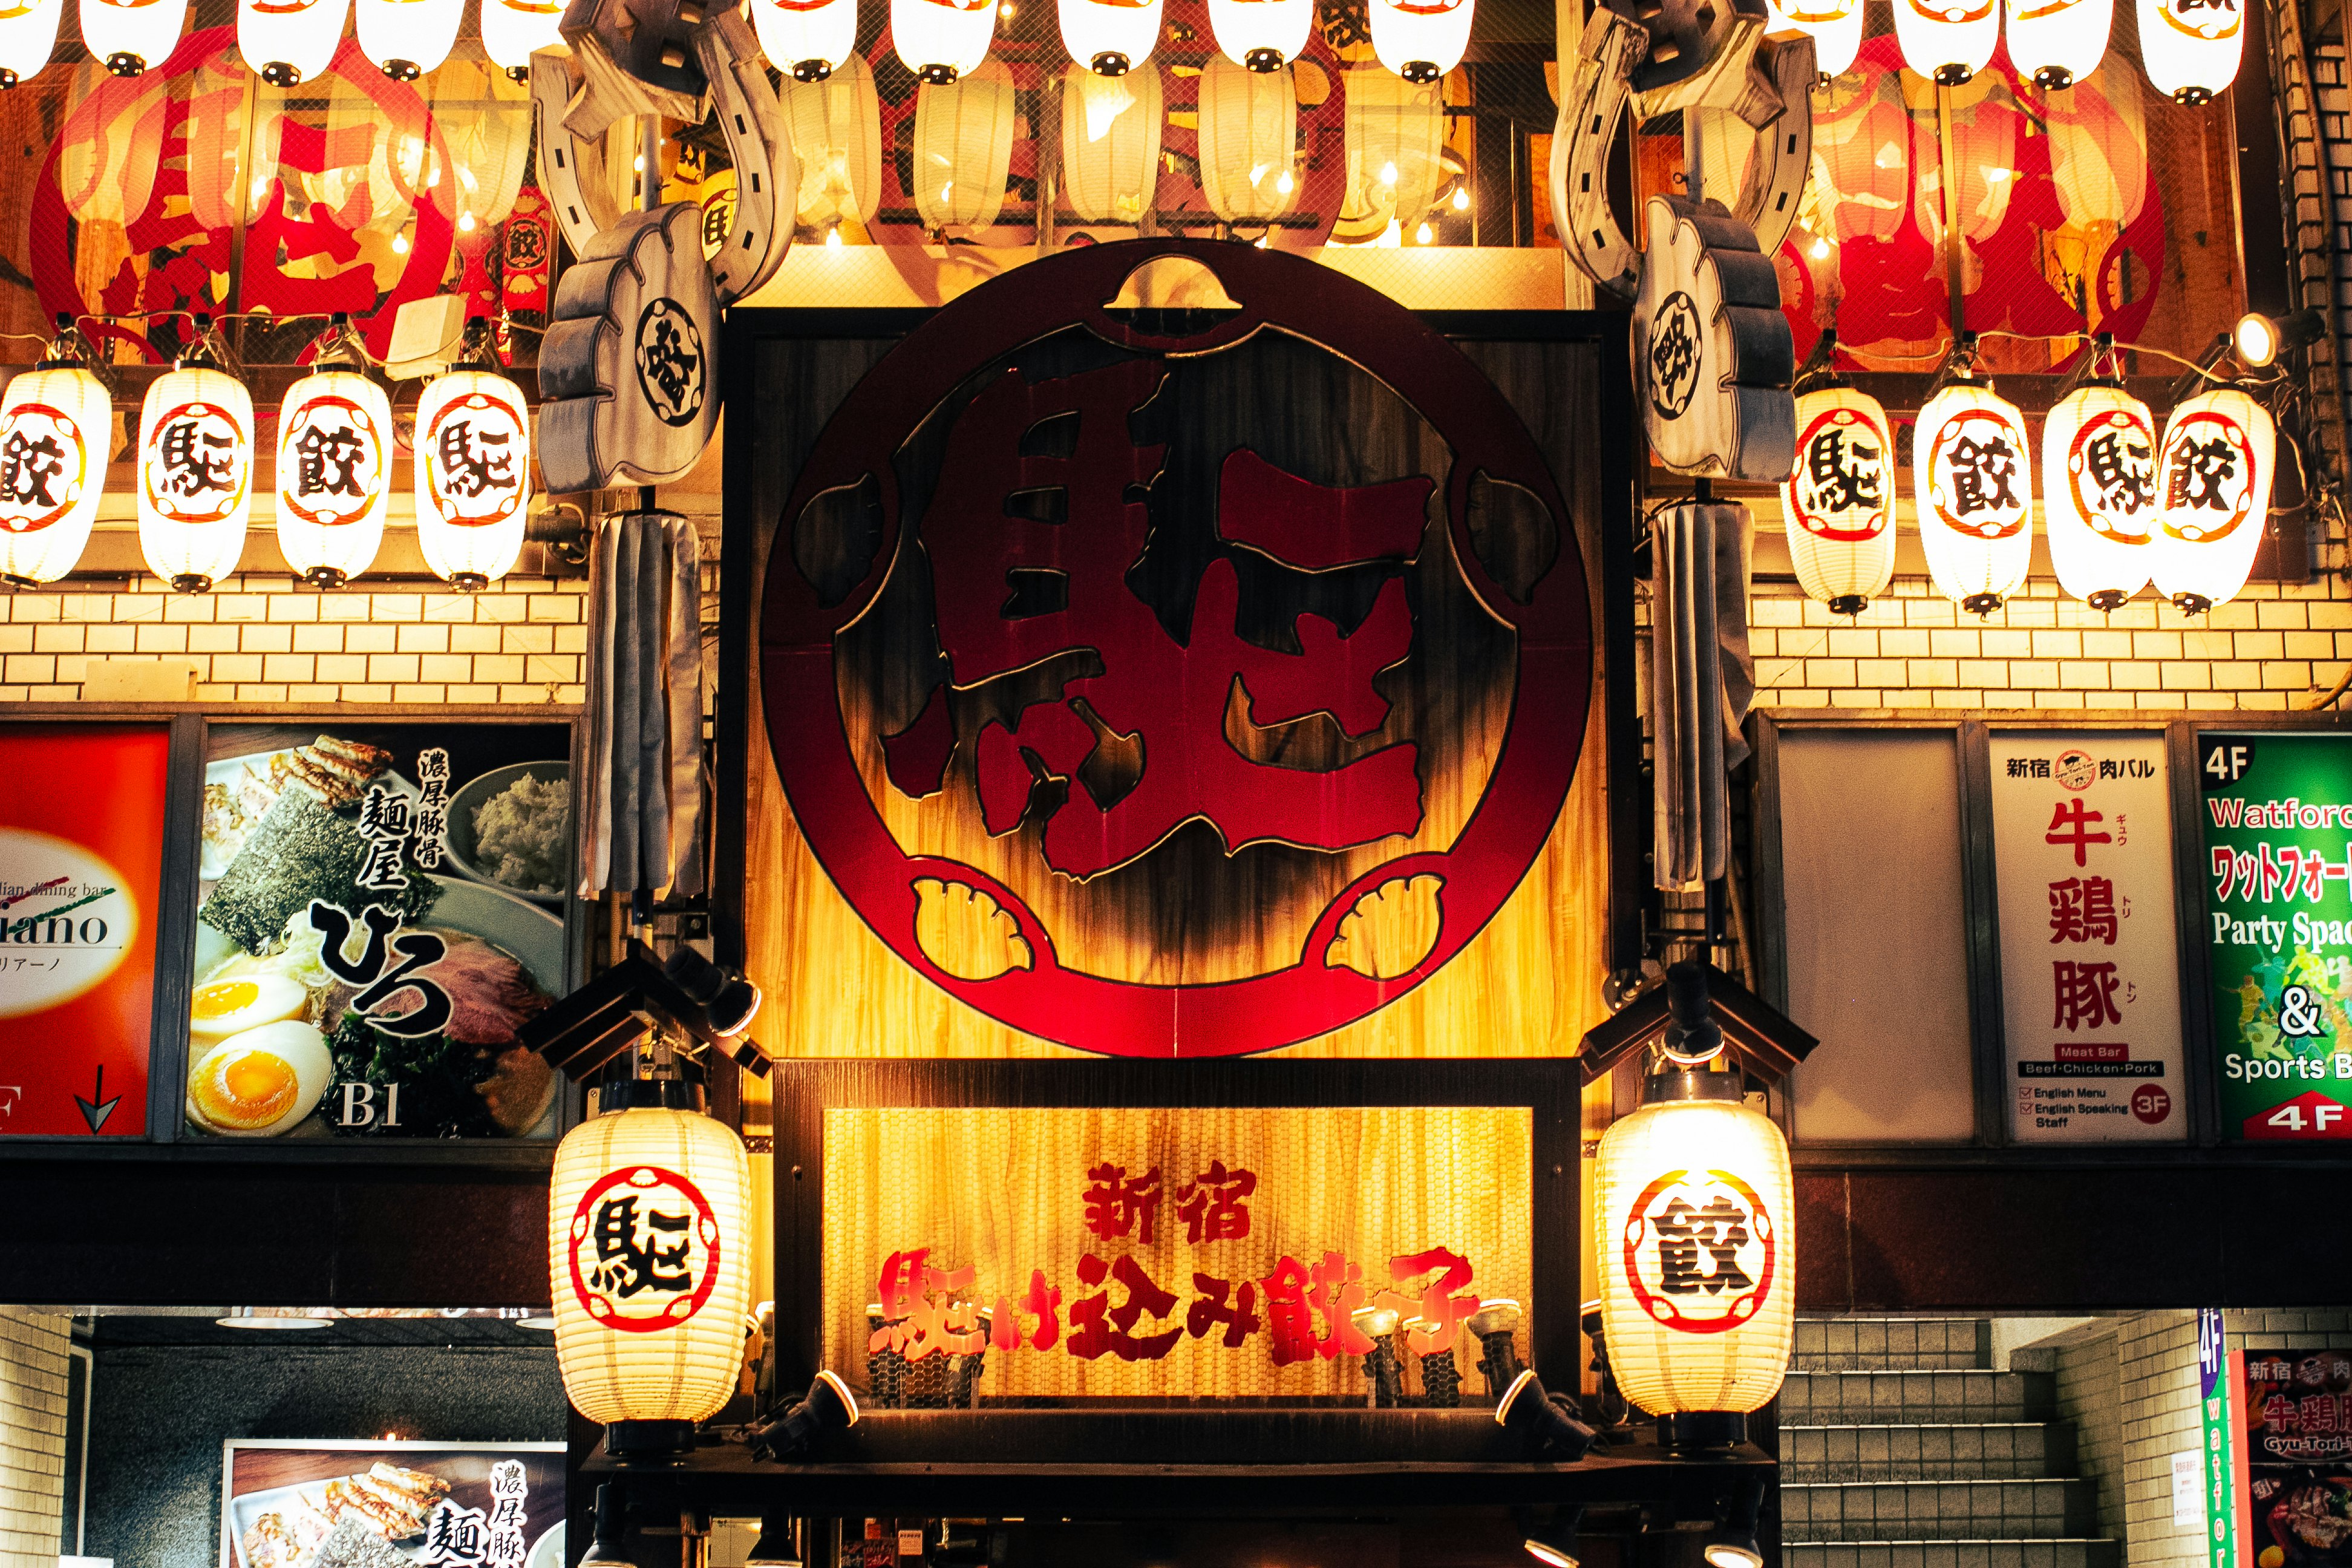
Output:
(231, 1005)
(261, 1083)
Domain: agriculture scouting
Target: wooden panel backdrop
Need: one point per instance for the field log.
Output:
(1527, 985)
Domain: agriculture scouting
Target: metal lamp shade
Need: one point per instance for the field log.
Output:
(1699, 1251)
(130, 36)
(1839, 500)
(1111, 144)
(941, 40)
(1249, 127)
(964, 132)
(1420, 40)
(2213, 485)
(649, 1270)
(2189, 49)
(808, 40)
(334, 474)
(2098, 493)
(196, 475)
(1972, 480)
(408, 39)
(56, 427)
(288, 42)
(472, 476)
(1261, 35)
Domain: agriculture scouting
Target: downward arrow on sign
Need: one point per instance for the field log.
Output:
(95, 1111)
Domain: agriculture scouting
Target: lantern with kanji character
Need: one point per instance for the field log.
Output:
(28, 32)
(1262, 35)
(2214, 495)
(941, 40)
(1249, 132)
(1948, 40)
(1110, 144)
(1420, 40)
(511, 29)
(964, 131)
(807, 40)
(130, 36)
(1839, 502)
(1834, 25)
(334, 474)
(472, 476)
(406, 39)
(649, 1260)
(1109, 37)
(2190, 48)
(196, 474)
(2098, 493)
(290, 41)
(1972, 481)
(2058, 42)
(1698, 1249)
(56, 427)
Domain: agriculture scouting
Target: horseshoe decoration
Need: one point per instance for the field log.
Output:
(1783, 155)
(1588, 111)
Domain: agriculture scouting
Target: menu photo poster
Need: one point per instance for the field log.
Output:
(381, 908)
(332, 1503)
(2089, 936)
(2296, 1457)
(81, 866)
(2277, 868)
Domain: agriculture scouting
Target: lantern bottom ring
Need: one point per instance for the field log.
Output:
(468, 581)
(1848, 605)
(7, 78)
(191, 582)
(1110, 63)
(811, 70)
(2191, 97)
(326, 577)
(2107, 600)
(279, 73)
(1420, 73)
(1262, 59)
(122, 62)
(11, 578)
(1690, 1430)
(2053, 78)
(1953, 75)
(402, 70)
(1981, 604)
(2189, 604)
(655, 1441)
(517, 73)
(938, 75)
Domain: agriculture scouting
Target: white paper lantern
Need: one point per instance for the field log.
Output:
(2098, 493)
(28, 35)
(1972, 481)
(1110, 144)
(1947, 40)
(1834, 25)
(1109, 37)
(1839, 502)
(1703, 1326)
(511, 29)
(2213, 483)
(288, 42)
(1249, 137)
(2058, 42)
(56, 429)
(963, 147)
(808, 40)
(334, 474)
(941, 40)
(2190, 48)
(1420, 40)
(472, 476)
(131, 36)
(649, 1264)
(1394, 133)
(1262, 35)
(836, 130)
(406, 39)
(196, 475)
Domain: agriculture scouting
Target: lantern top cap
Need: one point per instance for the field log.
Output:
(1690, 1085)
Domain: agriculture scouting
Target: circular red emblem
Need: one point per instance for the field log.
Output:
(644, 1250)
(1137, 706)
(1700, 1250)
(2150, 1103)
(2075, 769)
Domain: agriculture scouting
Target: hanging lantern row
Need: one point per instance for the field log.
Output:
(286, 42)
(472, 472)
(2121, 505)
(2190, 49)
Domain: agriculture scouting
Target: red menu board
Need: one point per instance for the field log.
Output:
(81, 860)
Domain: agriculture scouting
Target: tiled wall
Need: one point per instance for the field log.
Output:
(1914, 648)
(2087, 1379)
(252, 639)
(32, 1437)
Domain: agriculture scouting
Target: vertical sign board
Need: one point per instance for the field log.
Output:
(2216, 1379)
(2293, 1474)
(2277, 865)
(81, 866)
(2089, 953)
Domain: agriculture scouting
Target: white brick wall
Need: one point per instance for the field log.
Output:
(2157, 1357)
(32, 1437)
(256, 639)
(2089, 1389)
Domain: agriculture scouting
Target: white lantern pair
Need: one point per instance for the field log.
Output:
(196, 472)
(55, 434)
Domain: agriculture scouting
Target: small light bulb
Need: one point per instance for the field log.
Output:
(1261, 242)
(467, 175)
(400, 245)
(1820, 249)
(1424, 234)
(1462, 198)
(1388, 174)
(260, 189)
(1284, 185)
(1996, 175)
(465, 223)
(832, 239)
(640, 164)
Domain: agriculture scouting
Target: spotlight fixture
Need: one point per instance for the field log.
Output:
(1555, 1543)
(588, 1028)
(729, 1001)
(828, 1406)
(2258, 340)
(1732, 1544)
(1678, 1015)
(612, 1523)
(778, 1546)
(1546, 1424)
(269, 1318)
